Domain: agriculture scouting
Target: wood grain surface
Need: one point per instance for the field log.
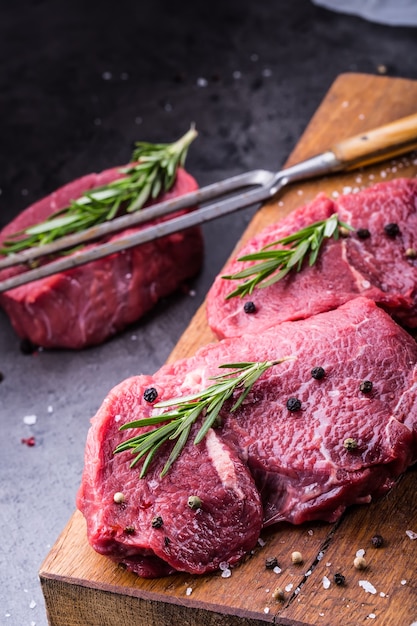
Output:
(82, 588)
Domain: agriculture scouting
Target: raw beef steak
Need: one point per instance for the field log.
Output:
(88, 304)
(380, 266)
(299, 448)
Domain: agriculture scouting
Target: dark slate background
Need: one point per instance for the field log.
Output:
(79, 83)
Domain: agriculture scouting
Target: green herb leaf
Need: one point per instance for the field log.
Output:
(290, 256)
(176, 423)
(153, 170)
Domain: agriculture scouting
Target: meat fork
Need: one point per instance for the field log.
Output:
(220, 198)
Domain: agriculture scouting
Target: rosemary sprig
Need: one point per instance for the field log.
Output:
(275, 264)
(176, 423)
(153, 170)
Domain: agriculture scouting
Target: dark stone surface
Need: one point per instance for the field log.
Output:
(79, 83)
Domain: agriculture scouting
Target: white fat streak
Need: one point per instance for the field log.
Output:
(222, 463)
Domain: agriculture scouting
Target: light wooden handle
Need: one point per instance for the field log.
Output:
(378, 144)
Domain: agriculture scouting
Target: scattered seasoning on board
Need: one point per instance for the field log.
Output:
(150, 394)
(339, 579)
(366, 386)
(157, 521)
(363, 233)
(278, 594)
(119, 497)
(297, 558)
(377, 541)
(359, 562)
(249, 307)
(392, 229)
(293, 404)
(318, 373)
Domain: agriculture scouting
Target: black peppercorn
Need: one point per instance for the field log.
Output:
(27, 347)
(249, 307)
(366, 386)
(157, 522)
(293, 404)
(167, 541)
(271, 562)
(318, 373)
(377, 541)
(339, 579)
(1, 377)
(363, 233)
(150, 394)
(392, 229)
(129, 530)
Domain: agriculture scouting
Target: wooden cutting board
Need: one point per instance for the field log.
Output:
(82, 588)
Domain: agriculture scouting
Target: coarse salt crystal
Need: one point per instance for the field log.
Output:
(277, 570)
(223, 565)
(29, 420)
(382, 594)
(320, 556)
(188, 591)
(372, 616)
(266, 610)
(226, 573)
(261, 542)
(326, 582)
(308, 573)
(117, 418)
(335, 194)
(367, 586)
(411, 534)
(403, 582)
(32, 604)
(289, 587)
(360, 552)
(50, 409)
(328, 564)
(310, 532)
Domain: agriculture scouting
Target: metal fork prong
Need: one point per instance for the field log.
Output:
(194, 218)
(161, 209)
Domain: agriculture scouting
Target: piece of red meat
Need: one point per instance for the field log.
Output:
(295, 462)
(88, 304)
(379, 267)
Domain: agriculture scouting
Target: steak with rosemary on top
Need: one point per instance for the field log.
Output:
(378, 259)
(334, 425)
(88, 304)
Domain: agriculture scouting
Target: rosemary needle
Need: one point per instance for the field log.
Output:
(277, 263)
(176, 424)
(152, 170)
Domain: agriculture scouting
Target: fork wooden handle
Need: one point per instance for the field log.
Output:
(378, 144)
